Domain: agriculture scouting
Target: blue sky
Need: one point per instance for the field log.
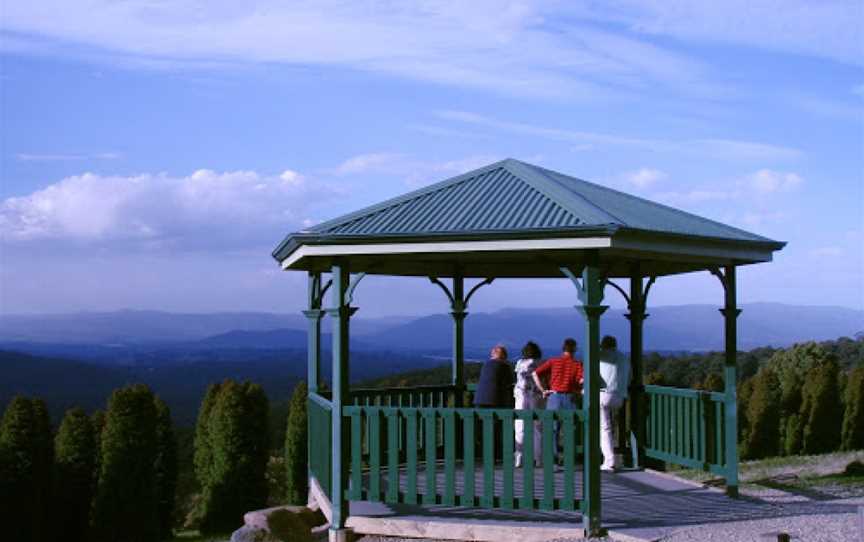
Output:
(153, 153)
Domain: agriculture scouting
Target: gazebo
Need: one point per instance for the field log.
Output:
(427, 446)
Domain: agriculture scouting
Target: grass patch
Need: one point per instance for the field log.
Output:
(195, 536)
(802, 472)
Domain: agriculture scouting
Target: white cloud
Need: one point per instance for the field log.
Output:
(829, 29)
(363, 163)
(766, 181)
(644, 177)
(413, 171)
(763, 182)
(515, 47)
(719, 148)
(206, 207)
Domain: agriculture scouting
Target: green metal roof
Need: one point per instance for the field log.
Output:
(513, 197)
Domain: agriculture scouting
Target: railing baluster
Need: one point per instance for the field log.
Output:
(431, 493)
(507, 459)
(468, 422)
(527, 499)
(549, 453)
(700, 430)
(688, 425)
(449, 457)
(568, 427)
(679, 426)
(392, 455)
(373, 418)
(488, 499)
(411, 455)
(355, 490)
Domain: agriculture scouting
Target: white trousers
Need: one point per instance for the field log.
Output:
(609, 405)
(526, 401)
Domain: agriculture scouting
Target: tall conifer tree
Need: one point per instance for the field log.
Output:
(296, 448)
(166, 469)
(853, 417)
(237, 429)
(763, 417)
(74, 476)
(26, 465)
(823, 419)
(126, 505)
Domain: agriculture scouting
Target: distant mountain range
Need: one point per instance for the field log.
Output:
(124, 335)
(77, 359)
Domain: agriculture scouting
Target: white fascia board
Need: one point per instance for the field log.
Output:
(447, 246)
(706, 250)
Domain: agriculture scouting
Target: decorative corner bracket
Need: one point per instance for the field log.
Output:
(583, 284)
(349, 293)
(317, 291)
(458, 304)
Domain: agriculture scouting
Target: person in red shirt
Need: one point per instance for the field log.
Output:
(565, 380)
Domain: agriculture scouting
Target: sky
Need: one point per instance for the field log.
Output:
(154, 152)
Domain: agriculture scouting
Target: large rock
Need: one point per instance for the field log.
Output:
(279, 524)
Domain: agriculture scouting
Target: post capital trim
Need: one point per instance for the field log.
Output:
(343, 311)
(459, 315)
(314, 314)
(592, 311)
(730, 311)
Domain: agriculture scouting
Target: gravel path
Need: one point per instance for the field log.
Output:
(804, 519)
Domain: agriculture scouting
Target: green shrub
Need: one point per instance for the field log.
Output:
(296, 450)
(74, 475)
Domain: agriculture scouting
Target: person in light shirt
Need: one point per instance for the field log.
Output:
(615, 380)
(527, 396)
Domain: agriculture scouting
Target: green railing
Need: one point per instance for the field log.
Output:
(685, 427)
(441, 455)
(418, 396)
(320, 412)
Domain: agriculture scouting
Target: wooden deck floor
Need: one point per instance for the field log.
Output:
(637, 505)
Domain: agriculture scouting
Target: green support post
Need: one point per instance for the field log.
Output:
(590, 290)
(313, 349)
(314, 314)
(637, 316)
(341, 313)
(730, 377)
(459, 313)
(459, 310)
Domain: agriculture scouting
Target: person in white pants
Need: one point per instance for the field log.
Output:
(527, 396)
(615, 379)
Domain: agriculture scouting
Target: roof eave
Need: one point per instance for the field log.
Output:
(296, 240)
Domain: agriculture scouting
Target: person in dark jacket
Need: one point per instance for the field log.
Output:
(495, 387)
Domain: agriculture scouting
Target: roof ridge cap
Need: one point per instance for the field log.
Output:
(553, 191)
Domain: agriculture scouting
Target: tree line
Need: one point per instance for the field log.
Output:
(112, 475)
(801, 401)
(104, 477)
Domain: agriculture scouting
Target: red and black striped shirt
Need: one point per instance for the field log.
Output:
(566, 373)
